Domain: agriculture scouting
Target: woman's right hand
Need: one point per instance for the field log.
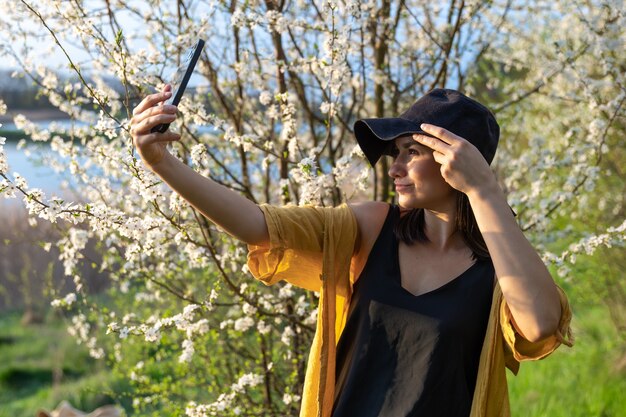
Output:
(152, 147)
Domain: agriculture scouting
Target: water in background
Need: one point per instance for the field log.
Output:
(27, 161)
(36, 174)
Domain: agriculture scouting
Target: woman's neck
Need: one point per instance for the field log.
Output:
(442, 231)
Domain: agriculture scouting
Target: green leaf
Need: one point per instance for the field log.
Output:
(119, 37)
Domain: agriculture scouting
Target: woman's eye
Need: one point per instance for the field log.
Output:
(413, 151)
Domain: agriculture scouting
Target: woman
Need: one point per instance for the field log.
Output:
(421, 304)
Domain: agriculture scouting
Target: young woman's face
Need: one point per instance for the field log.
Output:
(417, 177)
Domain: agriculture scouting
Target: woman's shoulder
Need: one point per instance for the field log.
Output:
(369, 210)
(370, 217)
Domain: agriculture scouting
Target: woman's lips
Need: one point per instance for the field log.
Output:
(403, 187)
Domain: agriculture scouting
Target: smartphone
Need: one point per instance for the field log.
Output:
(181, 78)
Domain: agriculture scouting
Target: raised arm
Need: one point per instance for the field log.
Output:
(237, 215)
(526, 283)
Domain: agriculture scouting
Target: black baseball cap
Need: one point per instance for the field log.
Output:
(446, 108)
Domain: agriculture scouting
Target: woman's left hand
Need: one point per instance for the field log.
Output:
(462, 164)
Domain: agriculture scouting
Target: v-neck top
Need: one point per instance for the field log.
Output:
(410, 355)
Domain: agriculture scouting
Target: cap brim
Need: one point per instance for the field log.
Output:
(373, 135)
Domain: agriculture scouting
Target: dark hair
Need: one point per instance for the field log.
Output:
(411, 228)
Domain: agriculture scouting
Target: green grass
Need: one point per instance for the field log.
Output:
(34, 356)
(582, 381)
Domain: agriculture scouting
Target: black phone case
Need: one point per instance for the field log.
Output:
(184, 74)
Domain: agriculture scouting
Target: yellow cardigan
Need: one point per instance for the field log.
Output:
(312, 247)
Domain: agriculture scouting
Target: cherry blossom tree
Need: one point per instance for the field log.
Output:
(277, 89)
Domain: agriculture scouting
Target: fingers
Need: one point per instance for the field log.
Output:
(168, 136)
(440, 158)
(144, 122)
(148, 114)
(447, 143)
(441, 133)
(443, 140)
(152, 100)
(153, 111)
(433, 143)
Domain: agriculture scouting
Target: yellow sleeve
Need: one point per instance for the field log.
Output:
(521, 349)
(297, 236)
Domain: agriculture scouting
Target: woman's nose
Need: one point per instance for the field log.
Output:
(397, 169)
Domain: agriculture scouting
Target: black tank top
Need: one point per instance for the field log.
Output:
(405, 355)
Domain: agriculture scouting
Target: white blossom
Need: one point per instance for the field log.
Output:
(152, 334)
(249, 309)
(265, 98)
(70, 298)
(188, 351)
(286, 291)
(287, 335)
(290, 398)
(4, 165)
(244, 323)
(263, 328)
